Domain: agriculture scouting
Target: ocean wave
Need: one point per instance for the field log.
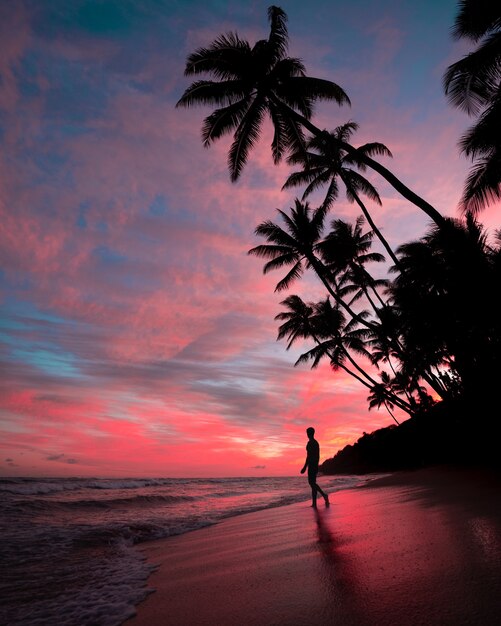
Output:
(99, 504)
(32, 486)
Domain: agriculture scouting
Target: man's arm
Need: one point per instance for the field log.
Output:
(303, 470)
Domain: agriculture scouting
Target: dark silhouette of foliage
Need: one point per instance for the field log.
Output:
(426, 340)
(473, 84)
(447, 304)
(441, 435)
(253, 81)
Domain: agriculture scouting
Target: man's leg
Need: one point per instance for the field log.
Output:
(312, 480)
(320, 491)
(324, 496)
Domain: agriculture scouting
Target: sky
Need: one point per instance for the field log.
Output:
(136, 335)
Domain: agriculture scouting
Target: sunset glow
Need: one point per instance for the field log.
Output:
(137, 336)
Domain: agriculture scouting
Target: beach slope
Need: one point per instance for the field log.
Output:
(410, 549)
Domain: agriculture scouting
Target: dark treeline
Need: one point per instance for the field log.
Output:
(445, 434)
(424, 340)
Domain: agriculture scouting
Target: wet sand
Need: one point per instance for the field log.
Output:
(416, 548)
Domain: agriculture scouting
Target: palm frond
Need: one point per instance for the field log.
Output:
(223, 58)
(211, 92)
(297, 179)
(279, 38)
(472, 80)
(280, 261)
(294, 134)
(484, 137)
(331, 195)
(279, 143)
(295, 273)
(356, 183)
(316, 89)
(245, 138)
(273, 233)
(292, 222)
(375, 148)
(269, 251)
(345, 131)
(222, 121)
(317, 183)
(483, 185)
(474, 21)
(317, 353)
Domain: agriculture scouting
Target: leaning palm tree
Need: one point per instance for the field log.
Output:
(254, 80)
(325, 162)
(251, 82)
(473, 84)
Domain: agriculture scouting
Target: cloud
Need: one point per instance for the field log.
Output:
(63, 458)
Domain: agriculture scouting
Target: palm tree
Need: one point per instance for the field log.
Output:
(297, 245)
(297, 321)
(325, 162)
(345, 251)
(473, 84)
(253, 81)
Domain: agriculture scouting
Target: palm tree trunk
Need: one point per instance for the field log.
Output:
(434, 383)
(366, 293)
(381, 301)
(389, 411)
(369, 219)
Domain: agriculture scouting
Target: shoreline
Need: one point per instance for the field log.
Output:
(419, 547)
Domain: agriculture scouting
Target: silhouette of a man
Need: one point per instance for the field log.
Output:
(312, 460)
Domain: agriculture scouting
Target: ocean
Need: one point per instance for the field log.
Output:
(68, 546)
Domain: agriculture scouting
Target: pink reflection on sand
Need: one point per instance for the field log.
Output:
(398, 552)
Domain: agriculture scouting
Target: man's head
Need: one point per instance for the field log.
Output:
(310, 432)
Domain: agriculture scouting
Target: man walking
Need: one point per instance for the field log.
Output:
(312, 460)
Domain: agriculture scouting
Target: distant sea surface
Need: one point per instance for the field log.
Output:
(67, 546)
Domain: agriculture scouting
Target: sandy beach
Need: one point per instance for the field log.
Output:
(412, 548)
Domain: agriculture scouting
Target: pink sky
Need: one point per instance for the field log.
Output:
(137, 337)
